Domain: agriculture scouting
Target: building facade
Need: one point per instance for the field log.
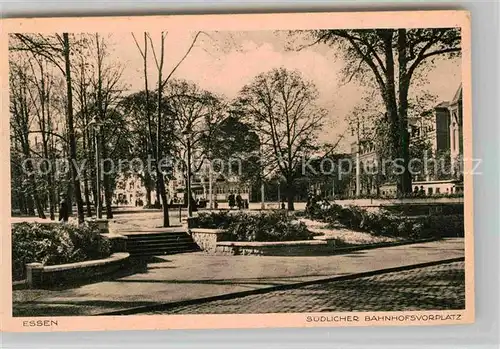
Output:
(201, 189)
(442, 129)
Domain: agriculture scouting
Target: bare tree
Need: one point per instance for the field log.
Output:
(196, 116)
(57, 50)
(156, 147)
(107, 91)
(281, 106)
(42, 102)
(21, 120)
(393, 57)
(159, 146)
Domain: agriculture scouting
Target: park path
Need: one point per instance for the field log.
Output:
(197, 275)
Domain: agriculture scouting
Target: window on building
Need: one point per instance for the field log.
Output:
(438, 190)
(453, 138)
(429, 190)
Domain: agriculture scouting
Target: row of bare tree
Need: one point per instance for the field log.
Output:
(68, 100)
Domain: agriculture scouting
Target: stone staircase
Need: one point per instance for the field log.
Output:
(157, 243)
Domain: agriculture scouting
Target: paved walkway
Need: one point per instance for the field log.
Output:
(439, 287)
(197, 275)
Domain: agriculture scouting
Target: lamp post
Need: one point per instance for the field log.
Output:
(97, 129)
(210, 183)
(262, 188)
(187, 134)
(96, 125)
(358, 171)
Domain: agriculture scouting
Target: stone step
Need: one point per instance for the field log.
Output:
(161, 246)
(162, 252)
(160, 243)
(142, 239)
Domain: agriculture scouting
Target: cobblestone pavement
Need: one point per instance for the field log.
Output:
(438, 287)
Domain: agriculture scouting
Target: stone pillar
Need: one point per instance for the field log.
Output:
(190, 222)
(103, 226)
(34, 274)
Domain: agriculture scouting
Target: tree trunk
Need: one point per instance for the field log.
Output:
(86, 191)
(157, 192)
(290, 193)
(404, 84)
(22, 203)
(147, 182)
(44, 124)
(108, 194)
(87, 146)
(71, 131)
(50, 184)
(50, 192)
(30, 205)
(34, 193)
(159, 149)
(33, 197)
(391, 103)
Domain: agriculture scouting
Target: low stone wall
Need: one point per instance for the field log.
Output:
(118, 242)
(206, 239)
(402, 201)
(423, 209)
(39, 276)
(282, 248)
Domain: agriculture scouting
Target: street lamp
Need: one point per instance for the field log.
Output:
(96, 125)
(187, 134)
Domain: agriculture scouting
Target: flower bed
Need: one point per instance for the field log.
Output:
(54, 244)
(267, 226)
(383, 223)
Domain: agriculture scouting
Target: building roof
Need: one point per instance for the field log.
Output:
(458, 95)
(442, 105)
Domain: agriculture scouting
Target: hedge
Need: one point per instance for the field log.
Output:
(265, 226)
(53, 244)
(386, 224)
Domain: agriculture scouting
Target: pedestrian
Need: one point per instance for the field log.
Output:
(63, 211)
(194, 204)
(239, 201)
(422, 191)
(415, 191)
(231, 202)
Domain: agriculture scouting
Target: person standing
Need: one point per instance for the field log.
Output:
(231, 202)
(63, 211)
(239, 201)
(422, 191)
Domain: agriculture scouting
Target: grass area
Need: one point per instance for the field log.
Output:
(343, 235)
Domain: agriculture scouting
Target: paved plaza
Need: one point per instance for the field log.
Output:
(192, 276)
(440, 287)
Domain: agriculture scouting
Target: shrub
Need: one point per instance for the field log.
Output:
(52, 244)
(386, 224)
(268, 226)
(441, 226)
(213, 220)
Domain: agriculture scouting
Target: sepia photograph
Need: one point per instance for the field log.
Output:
(220, 166)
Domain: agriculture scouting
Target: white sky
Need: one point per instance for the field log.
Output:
(224, 62)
